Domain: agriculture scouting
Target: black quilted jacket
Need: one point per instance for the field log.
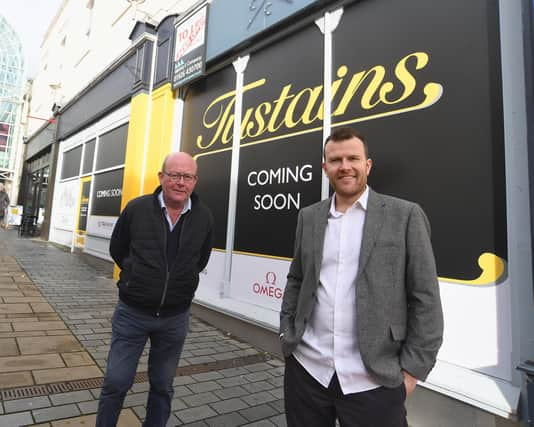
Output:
(138, 246)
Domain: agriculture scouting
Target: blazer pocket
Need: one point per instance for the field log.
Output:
(398, 332)
(387, 244)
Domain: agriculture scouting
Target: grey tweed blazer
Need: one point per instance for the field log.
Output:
(399, 316)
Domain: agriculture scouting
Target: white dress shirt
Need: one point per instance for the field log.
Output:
(329, 343)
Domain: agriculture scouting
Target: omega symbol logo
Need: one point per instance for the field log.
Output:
(269, 288)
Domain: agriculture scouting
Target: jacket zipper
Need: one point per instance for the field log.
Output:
(186, 218)
(165, 287)
(166, 284)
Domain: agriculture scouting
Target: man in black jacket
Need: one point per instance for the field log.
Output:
(161, 242)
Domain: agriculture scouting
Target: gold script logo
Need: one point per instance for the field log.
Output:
(276, 119)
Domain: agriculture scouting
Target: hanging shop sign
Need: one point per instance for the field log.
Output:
(190, 48)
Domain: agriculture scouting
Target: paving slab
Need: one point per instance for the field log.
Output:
(15, 308)
(229, 405)
(258, 412)
(16, 379)
(127, 418)
(10, 293)
(38, 326)
(89, 407)
(55, 412)
(232, 419)
(56, 333)
(259, 398)
(22, 280)
(41, 307)
(49, 344)
(14, 300)
(8, 347)
(71, 397)
(199, 399)
(28, 363)
(27, 404)
(195, 414)
(22, 334)
(77, 359)
(16, 419)
(31, 292)
(46, 376)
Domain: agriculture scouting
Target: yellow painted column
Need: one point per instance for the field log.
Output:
(160, 136)
(134, 159)
(149, 141)
(158, 118)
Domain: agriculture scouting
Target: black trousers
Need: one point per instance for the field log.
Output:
(309, 404)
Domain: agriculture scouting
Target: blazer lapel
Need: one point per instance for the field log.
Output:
(319, 229)
(374, 219)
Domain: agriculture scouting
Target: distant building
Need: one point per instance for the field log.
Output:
(11, 92)
(85, 40)
(82, 41)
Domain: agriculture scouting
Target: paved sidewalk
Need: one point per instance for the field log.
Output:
(55, 310)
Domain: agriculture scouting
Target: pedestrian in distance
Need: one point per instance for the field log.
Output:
(361, 318)
(161, 242)
(4, 204)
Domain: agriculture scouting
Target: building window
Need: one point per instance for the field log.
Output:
(71, 163)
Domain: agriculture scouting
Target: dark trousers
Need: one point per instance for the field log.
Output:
(309, 404)
(130, 331)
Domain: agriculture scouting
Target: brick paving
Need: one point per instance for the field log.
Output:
(55, 310)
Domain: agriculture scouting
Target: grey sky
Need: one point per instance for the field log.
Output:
(30, 19)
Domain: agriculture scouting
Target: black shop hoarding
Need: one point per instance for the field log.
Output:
(280, 158)
(200, 131)
(428, 100)
(105, 203)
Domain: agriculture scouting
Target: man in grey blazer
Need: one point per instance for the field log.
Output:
(361, 317)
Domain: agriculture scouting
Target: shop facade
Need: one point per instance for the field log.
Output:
(437, 87)
(432, 103)
(88, 188)
(37, 177)
(92, 134)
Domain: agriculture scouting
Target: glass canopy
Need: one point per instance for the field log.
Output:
(11, 87)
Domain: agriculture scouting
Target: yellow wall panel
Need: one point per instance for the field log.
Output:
(158, 117)
(160, 136)
(133, 164)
